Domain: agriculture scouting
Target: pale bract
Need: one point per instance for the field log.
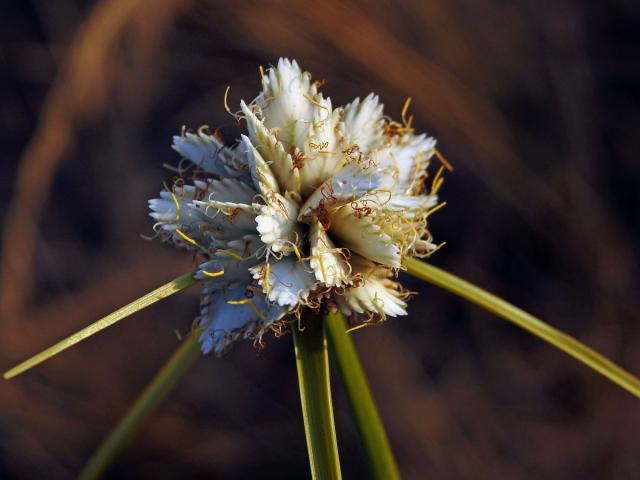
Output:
(315, 206)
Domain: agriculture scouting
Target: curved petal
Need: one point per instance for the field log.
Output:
(234, 217)
(228, 315)
(350, 183)
(174, 211)
(404, 219)
(404, 162)
(207, 152)
(230, 190)
(320, 156)
(363, 123)
(289, 281)
(358, 233)
(262, 176)
(272, 151)
(374, 292)
(229, 265)
(286, 103)
(328, 263)
(277, 224)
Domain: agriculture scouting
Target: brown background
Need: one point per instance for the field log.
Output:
(535, 103)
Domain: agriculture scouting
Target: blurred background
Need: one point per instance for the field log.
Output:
(536, 103)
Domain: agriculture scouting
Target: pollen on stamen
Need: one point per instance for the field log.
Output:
(267, 273)
(230, 253)
(249, 303)
(212, 274)
(186, 238)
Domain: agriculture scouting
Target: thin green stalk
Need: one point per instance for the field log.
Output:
(505, 310)
(312, 363)
(363, 408)
(150, 298)
(150, 398)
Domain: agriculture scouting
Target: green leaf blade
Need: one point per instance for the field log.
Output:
(312, 363)
(363, 408)
(513, 314)
(150, 298)
(149, 399)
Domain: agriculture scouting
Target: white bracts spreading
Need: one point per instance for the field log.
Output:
(315, 206)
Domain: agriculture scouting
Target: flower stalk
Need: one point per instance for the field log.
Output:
(312, 362)
(513, 314)
(135, 417)
(373, 437)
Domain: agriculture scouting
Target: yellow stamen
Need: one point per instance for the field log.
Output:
(407, 123)
(444, 161)
(213, 274)
(315, 102)
(175, 201)
(297, 252)
(324, 274)
(248, 303)
(436, 208)
(226, 105)
(267, 273)
(186, 238)
(357, 327)
(261, 71)
(438, 247)
(436, 187)
(230, 253)
(436, 178)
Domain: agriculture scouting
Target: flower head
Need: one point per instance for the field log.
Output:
(314, 205)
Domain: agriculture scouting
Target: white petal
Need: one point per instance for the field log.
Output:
(327, 262)
(290, 281)
(175, 211)
(404, 219)
(237, 217)
(272, 151)
(350, 183)
(230, 190)
(278, 225)
(399, 202)
(207, 152)
(321, 155)
(262, 176)
(230, 264)
(404, 162)
(375, 292)
(285, 102)
(363, 123)
(226, 322)
(359, 234)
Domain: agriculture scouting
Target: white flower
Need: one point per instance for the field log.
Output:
(314, 205)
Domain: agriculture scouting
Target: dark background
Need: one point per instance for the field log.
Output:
(536, 103)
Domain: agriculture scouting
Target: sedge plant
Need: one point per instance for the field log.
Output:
(303, 225)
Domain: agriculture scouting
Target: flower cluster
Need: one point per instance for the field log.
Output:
(315, 205)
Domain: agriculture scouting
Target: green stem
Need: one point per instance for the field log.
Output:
(363, 407)
(152, 395)
(537, 327)
(312, 362)
(150, 298)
